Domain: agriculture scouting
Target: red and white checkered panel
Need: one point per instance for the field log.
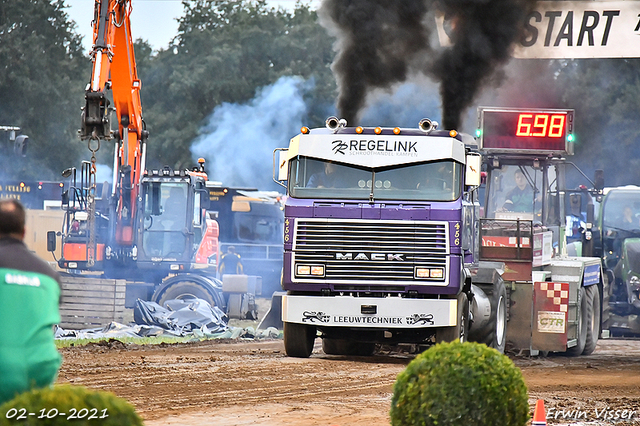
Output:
(556, 292)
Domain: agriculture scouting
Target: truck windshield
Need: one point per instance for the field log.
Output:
(434, 181)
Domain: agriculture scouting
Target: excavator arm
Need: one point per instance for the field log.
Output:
(114, 68)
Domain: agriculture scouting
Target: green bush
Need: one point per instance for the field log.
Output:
(62, 403)
(460, 384)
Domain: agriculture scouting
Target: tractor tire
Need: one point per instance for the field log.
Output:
(494, 333)
(185, 290)
(299, 339)
(460, 331)
(347, 347)
(583, 325)
(593, 319)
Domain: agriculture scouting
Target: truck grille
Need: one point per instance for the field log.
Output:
(380, 251)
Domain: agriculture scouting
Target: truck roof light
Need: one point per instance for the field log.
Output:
(378, 130)
(304, 130)
(453, 133)
(396, 130)
(359, 130)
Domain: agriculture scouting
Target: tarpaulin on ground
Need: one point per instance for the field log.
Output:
(181, 316)
(194, 317)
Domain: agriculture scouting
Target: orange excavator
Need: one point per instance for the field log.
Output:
(150, 227)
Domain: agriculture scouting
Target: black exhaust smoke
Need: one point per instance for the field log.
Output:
(376, 40)
(381, 42)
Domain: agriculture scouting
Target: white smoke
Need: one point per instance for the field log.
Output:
(104, 173)
(238, 140)
(403, 104)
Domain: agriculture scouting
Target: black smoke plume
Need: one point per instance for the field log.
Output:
(380, 42)
(375, 41)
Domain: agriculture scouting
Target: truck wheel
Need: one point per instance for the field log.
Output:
(346, 347)
(494, 333)
(298, 339)
(583, 325)
(460, 331)
(185, 290)
(593, 319)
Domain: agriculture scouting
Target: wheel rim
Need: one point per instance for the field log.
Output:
(500, 321)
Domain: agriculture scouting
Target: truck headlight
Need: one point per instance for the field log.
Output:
(315, 270)
(437, 273)
(303, 270)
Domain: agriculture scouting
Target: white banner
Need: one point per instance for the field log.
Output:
(576, 29)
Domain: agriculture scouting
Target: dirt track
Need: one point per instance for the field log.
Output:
(254, 383)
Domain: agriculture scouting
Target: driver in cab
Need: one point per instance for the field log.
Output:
(328, 178)
(520, 198)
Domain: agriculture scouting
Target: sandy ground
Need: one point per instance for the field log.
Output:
(254, 383)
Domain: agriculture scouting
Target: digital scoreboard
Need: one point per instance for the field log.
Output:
(540, 131)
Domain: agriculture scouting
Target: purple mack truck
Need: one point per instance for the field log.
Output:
(381, 240)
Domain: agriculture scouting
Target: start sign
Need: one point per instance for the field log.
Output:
(574, 29)
(581, 29)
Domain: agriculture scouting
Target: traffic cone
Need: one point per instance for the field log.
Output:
(539, 414)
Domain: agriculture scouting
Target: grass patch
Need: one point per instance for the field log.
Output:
(67, 343)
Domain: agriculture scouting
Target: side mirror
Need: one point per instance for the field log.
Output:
(281, 165)
(20, 146)
(204, 199)
(51, 241)
(473, 175)
(599, 179)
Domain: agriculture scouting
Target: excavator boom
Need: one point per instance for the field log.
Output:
(114, 68)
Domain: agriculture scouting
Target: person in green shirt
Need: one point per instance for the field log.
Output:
(29, 302)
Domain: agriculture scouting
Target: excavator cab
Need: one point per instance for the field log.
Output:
(171, 217)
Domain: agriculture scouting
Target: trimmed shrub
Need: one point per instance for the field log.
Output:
(65, 405)
(460, 384)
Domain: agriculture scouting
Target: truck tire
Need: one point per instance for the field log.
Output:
(298, 339)
(185, 290)
(494, 333)
(583, 325)
(593, 319)
(460, 331)
(347, 347)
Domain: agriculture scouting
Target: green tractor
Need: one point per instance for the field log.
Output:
(618, 243)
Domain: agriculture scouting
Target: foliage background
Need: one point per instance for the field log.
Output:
(225, 52)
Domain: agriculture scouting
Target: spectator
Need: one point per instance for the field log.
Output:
(520, 198)
(230, 263)
(29, 298)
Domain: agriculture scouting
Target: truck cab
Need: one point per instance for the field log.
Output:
(379, 224)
